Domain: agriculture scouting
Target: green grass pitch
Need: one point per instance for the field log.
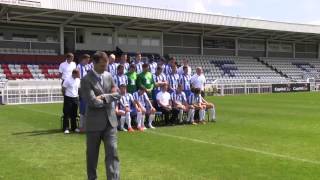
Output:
(274, 136)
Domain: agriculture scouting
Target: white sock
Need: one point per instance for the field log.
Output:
(202, 114)
(180, 115)
(190, 115)
(138, 119)
(213, 113)
(151, 118)
(128, 120)
(122, 119)
(142, 120)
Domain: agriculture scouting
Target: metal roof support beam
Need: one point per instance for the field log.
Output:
(61, 32)
(307, 38)
(216, 30)
(267, 48)
(294, 50)
(282, 35)
(3, 11)
(32, 14)
(318, 50)
(175, 27)
(252, 33)
(108, 20)
(202, 35)
(236, 45)
(75, 16)
(127, 24)
(152, 24)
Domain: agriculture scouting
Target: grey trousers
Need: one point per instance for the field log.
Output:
(109, 138)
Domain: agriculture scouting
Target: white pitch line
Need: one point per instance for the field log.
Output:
(238, 148)
(211, 143)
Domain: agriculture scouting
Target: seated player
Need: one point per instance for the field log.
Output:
(164, 103)
(144, 107)
(201, 105)
(195, 102)
(124, 108)
(120, 77)
(211, 108)
(179, 103)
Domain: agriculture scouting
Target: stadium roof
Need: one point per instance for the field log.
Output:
(86, 13)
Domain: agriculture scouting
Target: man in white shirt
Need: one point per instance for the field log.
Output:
(185, 62)
(164, 102)
(66, 68)
(71, 87)
(198, 80)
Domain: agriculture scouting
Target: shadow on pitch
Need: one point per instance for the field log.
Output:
(39, 133)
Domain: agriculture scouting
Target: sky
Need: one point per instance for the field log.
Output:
(295, 11)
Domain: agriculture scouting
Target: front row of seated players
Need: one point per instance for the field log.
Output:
(137, 104)
(177, 104)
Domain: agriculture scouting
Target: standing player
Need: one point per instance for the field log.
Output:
(132, 79)
(152, 65)
(145, 80)
(144, 107)
(83, 67)
(124, 108)
(112, 67)
(198, 80)
(173, 79)
(138, 63)
(124, 63)
(185, 81)
(159, 80)
(179, 104)
(185, 63)
(120, 77)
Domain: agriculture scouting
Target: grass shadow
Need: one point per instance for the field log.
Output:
(38, 133)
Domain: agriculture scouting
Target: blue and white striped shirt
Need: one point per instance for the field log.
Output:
(83, 69)
(159, 78)
(112, 68)
(119, 80)
(167, 69)
(185, 80)
(126, 100)
(142, 99)
(138, 67)
(126, 67)
(153, 67)
(173, 80)
(179, 98)
(194, 99)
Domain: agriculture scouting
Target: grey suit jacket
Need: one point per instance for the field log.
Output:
(98, 112)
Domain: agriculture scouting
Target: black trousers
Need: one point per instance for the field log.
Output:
(70, 111)
(166, 114)
(175, 114)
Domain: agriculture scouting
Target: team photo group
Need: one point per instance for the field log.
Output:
(147, 86)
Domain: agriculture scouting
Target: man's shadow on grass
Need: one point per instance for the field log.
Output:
(39, 133)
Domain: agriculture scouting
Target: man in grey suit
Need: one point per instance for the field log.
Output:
(100, 93)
